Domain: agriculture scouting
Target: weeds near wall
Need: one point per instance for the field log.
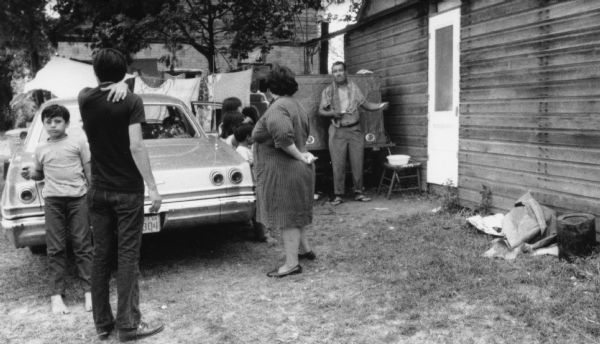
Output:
(450, 202)
(485, 205)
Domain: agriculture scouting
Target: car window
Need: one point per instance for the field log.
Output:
(162, 122)
(165, 122)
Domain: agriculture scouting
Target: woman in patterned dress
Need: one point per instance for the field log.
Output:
(284, 170)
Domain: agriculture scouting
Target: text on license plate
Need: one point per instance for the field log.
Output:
(151, 223)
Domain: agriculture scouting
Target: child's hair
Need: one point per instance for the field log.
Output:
(109, 65)
(251, 112)
(231, 104)
(242, 132)
(231, 120)
(56, 111)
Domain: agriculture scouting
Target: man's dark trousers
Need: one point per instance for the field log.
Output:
(67, 220)
(117, 221)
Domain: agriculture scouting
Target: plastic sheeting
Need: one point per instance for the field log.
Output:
(63, 78)
(225, 85)
(185, 89)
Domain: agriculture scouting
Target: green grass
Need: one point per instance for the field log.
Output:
(395, 274)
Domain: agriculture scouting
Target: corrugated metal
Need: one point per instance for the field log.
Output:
(530, 102)
(395, 48)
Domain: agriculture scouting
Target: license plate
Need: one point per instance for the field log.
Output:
(151, 223)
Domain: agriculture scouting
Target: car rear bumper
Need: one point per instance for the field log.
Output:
(31, 231)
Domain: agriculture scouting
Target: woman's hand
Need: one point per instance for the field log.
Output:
(308, 157)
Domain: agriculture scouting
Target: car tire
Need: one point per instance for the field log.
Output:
(38, 250)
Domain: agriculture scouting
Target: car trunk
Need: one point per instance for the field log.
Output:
(179, 176)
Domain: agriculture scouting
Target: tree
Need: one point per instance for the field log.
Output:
(24, 46)
(24, 26)
(132, 25)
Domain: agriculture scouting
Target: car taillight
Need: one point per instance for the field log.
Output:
(236, 176)
(217, 178)
(27, 195)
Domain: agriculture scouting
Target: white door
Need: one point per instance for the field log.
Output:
(442, 134)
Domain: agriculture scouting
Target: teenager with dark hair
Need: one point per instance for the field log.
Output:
(120, 166)
(284, 167)
(231, 104)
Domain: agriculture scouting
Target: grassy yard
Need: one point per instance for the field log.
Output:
(387, 272)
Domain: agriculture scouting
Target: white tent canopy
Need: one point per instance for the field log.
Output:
(63, 78)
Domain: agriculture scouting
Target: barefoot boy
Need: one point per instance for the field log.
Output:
(64, 163)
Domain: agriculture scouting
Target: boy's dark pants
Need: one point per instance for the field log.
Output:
(117, 222)
(67, 220)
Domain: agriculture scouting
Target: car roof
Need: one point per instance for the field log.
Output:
(146, 98)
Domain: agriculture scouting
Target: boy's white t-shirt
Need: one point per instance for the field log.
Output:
(246, 153)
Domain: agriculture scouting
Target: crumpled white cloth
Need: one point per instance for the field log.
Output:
(491, 225)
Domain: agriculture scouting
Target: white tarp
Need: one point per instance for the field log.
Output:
(64, 78)
(225, 85)
(185, 89)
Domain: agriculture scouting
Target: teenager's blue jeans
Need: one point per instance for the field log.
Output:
(117, 219)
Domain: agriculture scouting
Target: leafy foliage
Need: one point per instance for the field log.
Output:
(130, 26)
(485, 205)
(450, 199)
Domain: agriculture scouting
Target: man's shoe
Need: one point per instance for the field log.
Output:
(275, 273)
(104, 332)
(361, 198)
(310, 255)
(336, 201)
(143, 330)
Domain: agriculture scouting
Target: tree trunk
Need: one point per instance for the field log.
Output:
(35, 61)
(324, 52)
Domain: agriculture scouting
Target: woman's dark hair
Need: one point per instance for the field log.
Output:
(251, 112)
(231, 120)
(242, 132)
(281, 81)
(109, 65)
(56, 111)
(231, 104)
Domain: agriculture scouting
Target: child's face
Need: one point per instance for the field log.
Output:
(55, 127)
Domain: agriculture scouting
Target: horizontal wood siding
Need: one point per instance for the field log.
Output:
(530, 102)
(395, 48)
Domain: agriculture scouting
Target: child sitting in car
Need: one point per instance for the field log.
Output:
(64, 163)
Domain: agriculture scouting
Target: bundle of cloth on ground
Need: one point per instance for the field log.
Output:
(527, 228)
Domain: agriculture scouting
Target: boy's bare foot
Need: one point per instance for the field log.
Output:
(88, 301)
(58, 306)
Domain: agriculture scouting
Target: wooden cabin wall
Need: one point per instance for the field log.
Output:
(395, 48)
(530, 102)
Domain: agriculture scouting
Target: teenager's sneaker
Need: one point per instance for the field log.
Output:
(143, 330)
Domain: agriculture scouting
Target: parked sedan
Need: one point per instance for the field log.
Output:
(202, 180)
